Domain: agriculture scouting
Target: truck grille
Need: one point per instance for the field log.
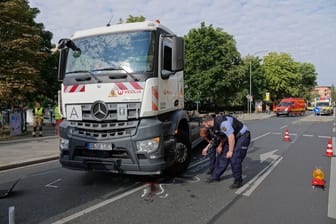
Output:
(110, 127)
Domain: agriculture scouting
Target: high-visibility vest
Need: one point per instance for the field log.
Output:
(38, 112)
(57, 113)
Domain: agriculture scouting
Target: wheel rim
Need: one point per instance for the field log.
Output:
(181, 153)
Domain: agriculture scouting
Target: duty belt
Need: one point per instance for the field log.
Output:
(246, 134)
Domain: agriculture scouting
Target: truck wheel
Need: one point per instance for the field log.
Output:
(182, 156)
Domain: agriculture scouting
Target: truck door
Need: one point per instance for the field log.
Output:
(168, 83)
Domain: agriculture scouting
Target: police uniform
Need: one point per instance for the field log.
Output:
(207, 134)
(229, 125)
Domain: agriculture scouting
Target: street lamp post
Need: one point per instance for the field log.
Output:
(250, 95)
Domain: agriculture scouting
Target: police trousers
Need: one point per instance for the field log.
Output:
(239, 154)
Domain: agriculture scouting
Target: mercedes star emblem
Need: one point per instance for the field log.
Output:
(99, 110)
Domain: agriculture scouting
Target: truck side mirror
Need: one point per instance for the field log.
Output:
(63, 46)
(61, 64)
(178, 54)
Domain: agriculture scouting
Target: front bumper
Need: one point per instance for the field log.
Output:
(282, 112)
(123, 158)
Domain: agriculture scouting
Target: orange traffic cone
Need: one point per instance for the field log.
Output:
(329, 151)
(286, 137)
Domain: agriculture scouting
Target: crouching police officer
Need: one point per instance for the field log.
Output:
(233, 151)
(210, 149)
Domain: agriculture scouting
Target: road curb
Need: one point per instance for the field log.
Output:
(28, 162)
(27, 139)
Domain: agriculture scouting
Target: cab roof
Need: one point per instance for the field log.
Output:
(124, 27)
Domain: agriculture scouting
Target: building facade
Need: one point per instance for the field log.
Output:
(322, 91)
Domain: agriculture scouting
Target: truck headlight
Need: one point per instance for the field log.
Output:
(149, 145)
(64, 143)
(286, 109)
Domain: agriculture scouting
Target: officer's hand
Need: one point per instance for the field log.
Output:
(229, 155)
(205, 151)
(219, 149)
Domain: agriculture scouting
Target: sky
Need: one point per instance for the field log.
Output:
(306, 29)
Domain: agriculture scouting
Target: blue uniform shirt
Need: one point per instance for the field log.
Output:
(226, 127)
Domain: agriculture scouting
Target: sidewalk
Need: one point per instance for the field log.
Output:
(255, 116)
(25, 150)
(17, 151)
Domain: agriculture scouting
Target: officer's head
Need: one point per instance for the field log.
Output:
(208, 121)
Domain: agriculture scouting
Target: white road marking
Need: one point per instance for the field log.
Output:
(99, 205)
(249, 187)
(267, 155)
(261, 136)
(332, 189)
(52, 183)
(308, 135)
(284, 126)
(324, 136)
(276, 133)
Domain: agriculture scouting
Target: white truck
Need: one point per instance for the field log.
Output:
(122, 100)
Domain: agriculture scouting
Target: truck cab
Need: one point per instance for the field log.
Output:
(122, 100)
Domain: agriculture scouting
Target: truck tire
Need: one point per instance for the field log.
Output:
(182, 155)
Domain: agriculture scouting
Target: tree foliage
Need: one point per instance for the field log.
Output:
(333, 92)
(287, 78)
(212, 71)
(23, 53)
(132, 19)
(252, 67)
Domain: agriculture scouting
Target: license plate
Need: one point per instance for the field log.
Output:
(99, 146)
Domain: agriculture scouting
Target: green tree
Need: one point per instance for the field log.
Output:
(281, 75)
(212, 67)
(288, 78)
(333, 92)
(308, 79)
(258, 81)
(22, 52)
(132, 19)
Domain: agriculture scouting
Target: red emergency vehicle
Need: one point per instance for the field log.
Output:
(291, 106)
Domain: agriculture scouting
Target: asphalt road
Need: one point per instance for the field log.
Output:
(277, 189)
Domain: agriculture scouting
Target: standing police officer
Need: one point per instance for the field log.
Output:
(234, 150)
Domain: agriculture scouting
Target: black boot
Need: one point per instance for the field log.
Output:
(210, 170)
(236, 184)
(212, 180)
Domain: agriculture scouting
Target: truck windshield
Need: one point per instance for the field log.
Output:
(133, 51)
